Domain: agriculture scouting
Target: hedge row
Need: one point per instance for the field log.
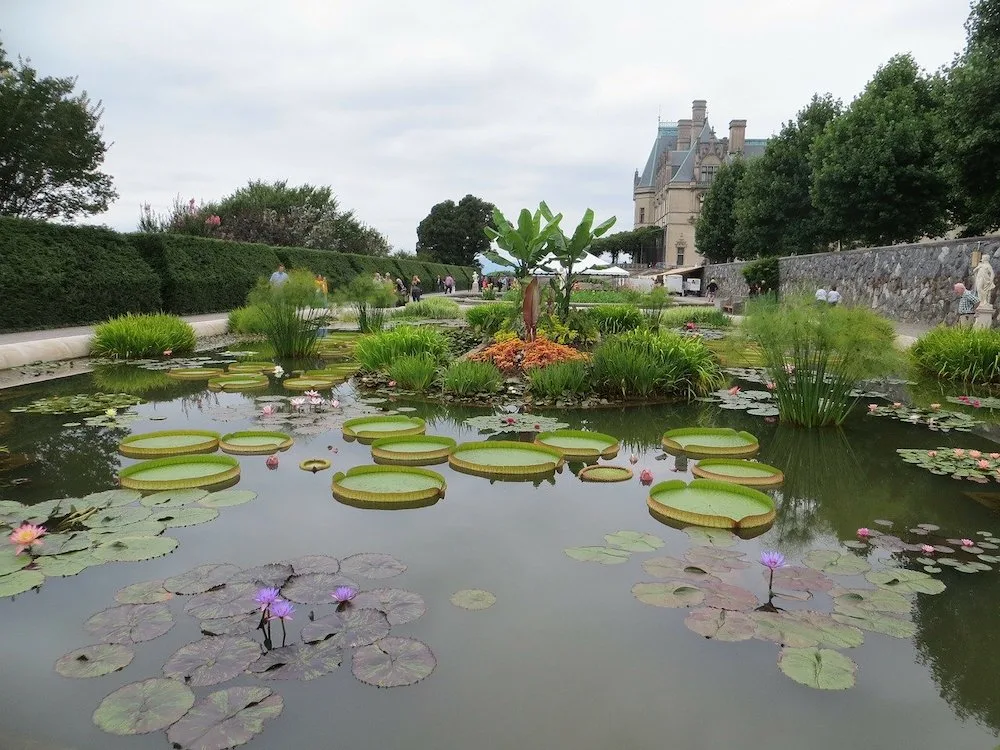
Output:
(53, 275)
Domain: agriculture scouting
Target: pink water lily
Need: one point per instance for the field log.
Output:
(633, 459)
(897, 404)
(959, 452)
(974, 454)
(770, 386)
(995, 456)
(734, 390)
(269, 410)
(976, 404)
(297, 402)
(335, 404)
(392, 383)
(864, 532)
(646, 476)
(872, 407)
(790, 369)
(167, 352)
(927, 549)
(271, 462)
(26, 536)
(935, 407)
(967, 542)
(983, 464)
(316, 401)
(311, 394)
(772, 559)
(932, 454)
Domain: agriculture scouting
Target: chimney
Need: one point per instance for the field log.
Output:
(737, 136)
(698, 115)
(683, 135)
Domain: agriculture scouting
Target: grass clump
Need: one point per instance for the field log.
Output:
(706, 317)
(487, 320)
(369, 300)
(967, 355)
(414, 372)
(377, 351)
(644, 364)
(559, 379)
(432, 308)
(612, 319)
(467, 378)
(136, 336)
(246, 320)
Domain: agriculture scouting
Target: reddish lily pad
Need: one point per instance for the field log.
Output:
(393, 662)
(212, 660)
(314, 588)
(95, 661)
(351, 628)
(836, 563)
(671, 567)
(721, 624)
(201, 579)
(714, 537)
(146, 592)
(717, 560)
(398, 605)
(231, 599)
(820, 668)
(727, 596)
(634, 541)
(473, 599)
(131, 623)
(316, 564)
(226, 719)
(797, 578)
(372, 565)
(144, 707)
(300, 661)
(668, 594)
(805, 628)
(603, 555)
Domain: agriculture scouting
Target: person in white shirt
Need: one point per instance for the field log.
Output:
(833, 296)
(821, 295)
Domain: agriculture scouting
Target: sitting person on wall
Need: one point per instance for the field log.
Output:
(821, 295)
(968, 301)
(833, 296)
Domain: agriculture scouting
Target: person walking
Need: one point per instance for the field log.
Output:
(279, 277)
(449, 284)
(968, 301)
(713, 287)
(833, 296)
(415, 290)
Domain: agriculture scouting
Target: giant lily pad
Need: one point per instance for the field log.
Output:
(473, 599)
(505, 459)
(249, 366)
(309, 383)
(351, 628)
(804, 628)
(194, 373)
(179, 472)
(709, 442)
(238, 382)
(314, 588)
(20, 581)
(738, 471)
(820, 668)
(605, 473)
(231, 599)
(226, 719)
(580, 444)
(877, 622)
(169, 443)
(255, 442)
(393, 662)
(398, 606)
(212, 660)
(706, 502)
(668, 594)
(299, 661)
(634, 541)
(134, 548)
(906, 581)
(201, 579)
(368, 429)
(396, 487)
(144, 707)
(372, 565)
(412, 450)
(836, 563)
(131, 623)
(721, 624)
(95, 661)
(603, 555)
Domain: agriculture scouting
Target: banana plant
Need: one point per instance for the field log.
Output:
(565, 251)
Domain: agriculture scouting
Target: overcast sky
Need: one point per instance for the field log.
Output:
(399, 104)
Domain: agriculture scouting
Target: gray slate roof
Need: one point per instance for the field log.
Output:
(666, 140)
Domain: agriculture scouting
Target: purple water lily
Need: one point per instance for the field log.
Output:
(266, 597)
(344, 594)
(772, 559)
(281, 610)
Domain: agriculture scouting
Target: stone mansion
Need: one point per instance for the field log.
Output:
(681, 166)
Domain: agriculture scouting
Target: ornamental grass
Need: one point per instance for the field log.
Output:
(467, 378)
(967, 355)
(378, 351)
(137, 336)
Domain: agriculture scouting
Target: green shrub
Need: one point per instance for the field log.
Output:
(467, 378)
(706, 317)
(432, 308)
(378, 351)
(643, 364)
(488, 319)
(247, 320)
(624, 295)
(611, 319)
(559, 379)
(136, 336)
(969, 355)
(299, 290)
(414, 372)
(763, 272)
(489, 293)
(369, 299)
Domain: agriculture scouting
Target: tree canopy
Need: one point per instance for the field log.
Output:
(453, 232)
(630, 243)
(715, 232)
(51, 146)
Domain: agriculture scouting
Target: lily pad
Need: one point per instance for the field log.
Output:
(710, 442)
(212, 660)
(714, 537)
(201, 579)
(473, 599)
(226, 498)
(836, 563)
(797, 578)
(605, 473)
(505, 459)
(668, 594)
(670, 567)
(580, 444)
(716, 560)
(121, 516)
(131, 623)
(369, 428)
(9, 562)
(314, 588)
(398, 606)
(144, 707)
(231, 599)
(873, 600)
(226, 719)
(315, 564)
(373, 565)
(706, 502)
(804, 628)
(393, 662)
(721, 624)
(603, 555)
(388, 486)
(906, 581)
(173, 498)
(146, 592)
(70, 564)
(95, 661)
(413, 450)
(351, 628)
(255, 442)
(514, 423)
(233, 625)
(84, 403)
(727, 596)
(271, 574)
(20, 581)
(180, 472)
(738, 471)
(169, 443)
(634, 541)
(101, 534)
(299, 661)
(178, 517)
(134, 548)
(877, 622)
(820, 668)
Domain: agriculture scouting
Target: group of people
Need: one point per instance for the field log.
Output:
(831, 297)
(500, 284)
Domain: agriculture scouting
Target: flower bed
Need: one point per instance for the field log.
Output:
(516, 355)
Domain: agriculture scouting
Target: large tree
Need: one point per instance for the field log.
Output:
(453, 232)
(878, 175)
(715, 232)
(636, 243)
(51, 146)
(971, 123)
(774, 210)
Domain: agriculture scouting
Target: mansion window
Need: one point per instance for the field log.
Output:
(642, 216)
(708, 173)
(680, 256)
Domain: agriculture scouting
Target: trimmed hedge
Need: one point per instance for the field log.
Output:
(53, 275)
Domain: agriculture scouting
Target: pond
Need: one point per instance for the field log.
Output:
(567, 657)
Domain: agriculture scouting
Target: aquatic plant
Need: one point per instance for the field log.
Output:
(344, 594)
(376, 352)
(415, 372)
(496, 423)
(959, 463)
(148, 335)
(468, 378)
(432, 308)
(26, 536)
(705, 317)
(939, 420)
(248, 320)
(84, 403)
(612, 319)
(559, 380)
(968, 355)
(488, 319)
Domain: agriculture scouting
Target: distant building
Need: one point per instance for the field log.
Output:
(681, 166)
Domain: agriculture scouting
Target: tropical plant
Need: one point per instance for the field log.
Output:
(414, 372)
(488, 319)
(638, 244)
(611, 319)
(378, 351)
(130, 379)
(559, 379)
(969, 355)
(433, 308)
(706, 317)
(136, 336)
(815, 356)
(467, 378)
(569, 251)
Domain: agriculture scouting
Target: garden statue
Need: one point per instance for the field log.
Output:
(983, 281)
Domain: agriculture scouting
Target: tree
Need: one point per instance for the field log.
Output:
(877, 169)
(453, 232)
(631, 243)
(51, 147)
(774, 209)
(971, 123)
(715, 232)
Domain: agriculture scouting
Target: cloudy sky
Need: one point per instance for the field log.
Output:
(401, 104)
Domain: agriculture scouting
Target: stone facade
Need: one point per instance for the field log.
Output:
(908, 283)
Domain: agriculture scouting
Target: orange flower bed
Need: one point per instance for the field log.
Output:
(516, 355)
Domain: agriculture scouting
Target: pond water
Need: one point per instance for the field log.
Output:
(567, 657)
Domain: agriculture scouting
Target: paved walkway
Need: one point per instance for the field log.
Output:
(54, 333)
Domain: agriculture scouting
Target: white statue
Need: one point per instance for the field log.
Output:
(983, 281)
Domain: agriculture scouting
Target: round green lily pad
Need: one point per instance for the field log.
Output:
(820, 668)
(706, 502)
(599, 473)
(388, 487)
(738, 471)
(309, 384)
(180, 472)
(238, 382)
(242, 368)
(505, 459)
(169, 443)
(95, 661)
(172, 498)
(144, 707)
(255, 442)
(315, 464)
(134, 548)
(368, 429)
(412, 450)
(709, 442)
(174, 518)
(20, 581)
(195, 373)
(473, 599)
(580, 443)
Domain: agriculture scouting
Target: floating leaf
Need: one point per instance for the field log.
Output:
(797, 578)
(131, 623)
(231, 599)
(144, 707)
(634, 541)
(836, 563)
(173, 498)
(854, 544)
(61, 544)
(804, 628)
(316, 564)
(274, 575)
(882, 522)
(300, 661)
(473, 599)
(225, 719)
(716, 560)
(122, 516)
(20, 581)
(906, 581)
(727, 596)
(66, 565)
(371, 565)
(201, 579)
(820, 668)
(603, 555)
(95, 661)
(721, 624)
(351, 628)
(398, 606)
(932, 569)
(190, 516)
(134, 548)
(142, 528)
(393, 662)
(928, 527)
(227, 498)
(873, 600)
(9, 562)
(110, 498)
(671, 567)
(877, 622)
(314, 588)
(668, 594)
(714, 537)
(234, 625)
(212, 660)
(146, 592)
